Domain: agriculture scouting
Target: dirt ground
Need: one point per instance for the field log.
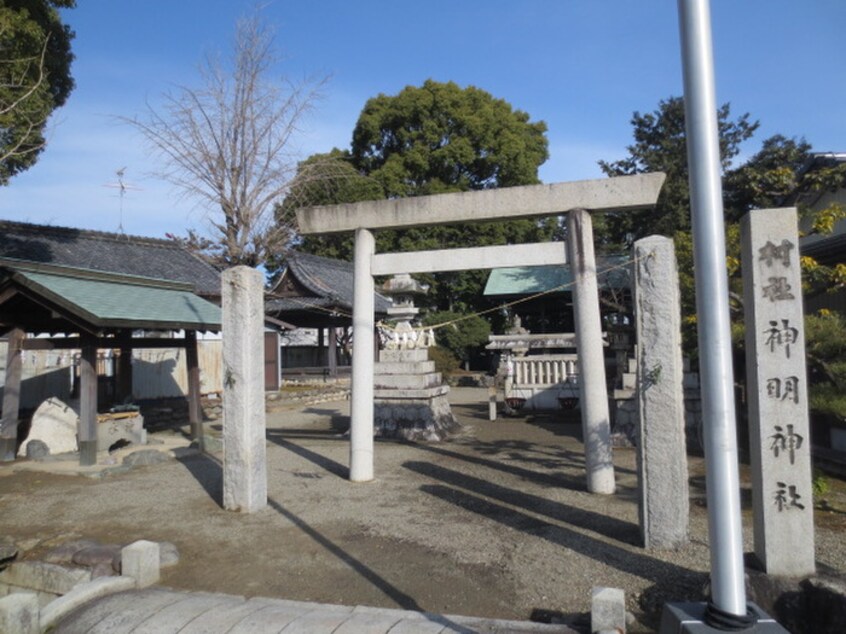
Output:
(495, 523)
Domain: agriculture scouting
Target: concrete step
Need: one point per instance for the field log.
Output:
(408, 381)
(410, 394)
(404, 356)
(399, 367)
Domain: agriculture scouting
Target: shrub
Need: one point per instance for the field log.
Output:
(462, 334)
(445, 361)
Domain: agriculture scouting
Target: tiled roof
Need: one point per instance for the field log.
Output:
(122, 302)
(108, 252)
(830, 250)
(328, 279)
(612, 272)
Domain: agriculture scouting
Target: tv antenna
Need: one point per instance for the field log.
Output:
(122, 188)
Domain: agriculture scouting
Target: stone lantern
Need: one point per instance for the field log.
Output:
(410, 396)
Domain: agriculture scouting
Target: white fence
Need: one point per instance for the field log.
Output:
(156, 373)
(544, 370)
(541, 380)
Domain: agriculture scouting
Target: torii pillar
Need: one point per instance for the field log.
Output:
(361, 397)
(593, 389)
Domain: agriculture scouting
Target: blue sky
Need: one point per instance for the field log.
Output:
(583, 66)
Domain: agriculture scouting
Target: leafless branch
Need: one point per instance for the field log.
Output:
(229, 143)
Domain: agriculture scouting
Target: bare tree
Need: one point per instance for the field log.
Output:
(228, 144)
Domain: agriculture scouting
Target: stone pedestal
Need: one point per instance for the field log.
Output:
(411, 400)
(690, 618)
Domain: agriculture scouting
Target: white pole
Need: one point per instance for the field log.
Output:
(361, 425)
(728, 592)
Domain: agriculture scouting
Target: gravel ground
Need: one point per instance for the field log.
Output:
(494, 523)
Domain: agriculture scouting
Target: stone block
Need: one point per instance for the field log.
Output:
(64, 553)
(55, 424)
(113, 430)
(608, 610)
(629, 381)
(140, 560)
(36, 449)
(43, 577)
(414, 355)
(418, 367)
(93, 555)
(388, 394)
(407, 381)
(19, 614)
(168, 554)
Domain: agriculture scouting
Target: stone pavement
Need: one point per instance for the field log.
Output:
(159, 610)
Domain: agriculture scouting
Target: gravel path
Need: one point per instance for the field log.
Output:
(496, 523)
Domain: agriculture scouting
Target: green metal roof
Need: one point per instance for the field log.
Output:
(613, 272)
(123, 302)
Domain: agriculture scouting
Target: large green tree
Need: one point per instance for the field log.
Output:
(35, 78)
(435, 138)
(774, 176)
(659, 146)
(440, 137)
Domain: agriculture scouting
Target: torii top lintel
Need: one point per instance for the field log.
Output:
(621, 193)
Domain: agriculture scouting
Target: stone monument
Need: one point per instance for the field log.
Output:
(410, 396)
(661, 457)
(244, 450)
(779, 438)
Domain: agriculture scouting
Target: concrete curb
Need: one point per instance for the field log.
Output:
(217, 613)
(101, 587)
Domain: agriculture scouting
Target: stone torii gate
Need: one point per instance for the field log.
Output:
(577, 199)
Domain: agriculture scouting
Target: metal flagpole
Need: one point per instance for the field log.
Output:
(728, 592)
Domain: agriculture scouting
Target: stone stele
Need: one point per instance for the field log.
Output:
(55, 424)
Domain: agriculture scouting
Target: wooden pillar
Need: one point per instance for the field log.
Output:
(333, 352)
(11, 395)
(195, 411)
(321, 348)
(123, 382)
(88, 401)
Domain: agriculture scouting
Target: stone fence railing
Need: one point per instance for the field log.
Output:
(544, 370)
(542, 380)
